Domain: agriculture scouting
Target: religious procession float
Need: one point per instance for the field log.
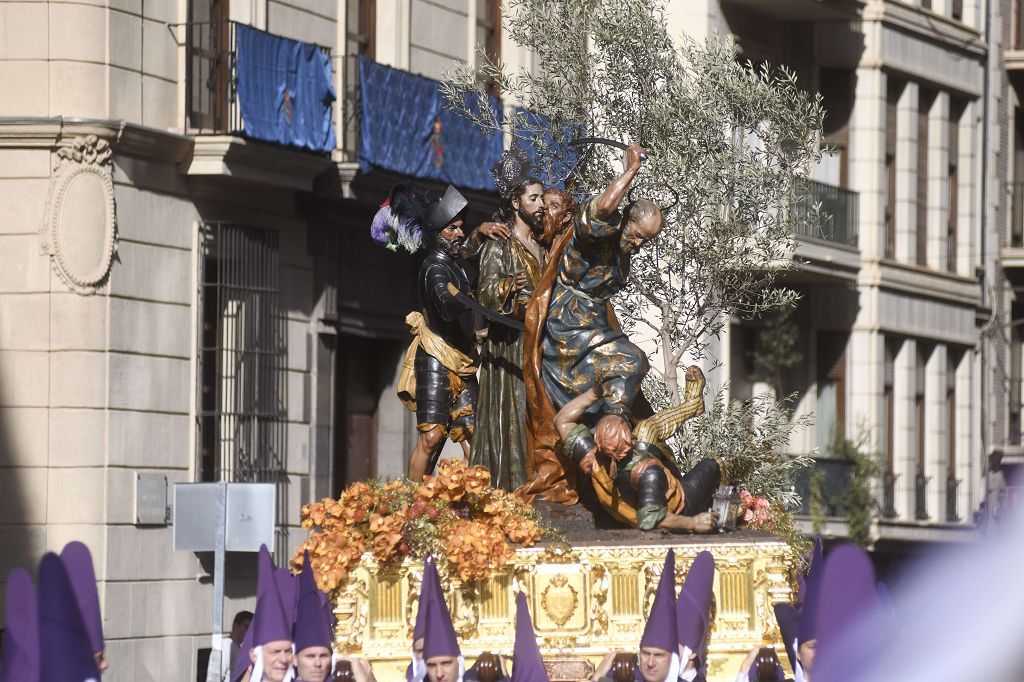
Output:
(645, 199)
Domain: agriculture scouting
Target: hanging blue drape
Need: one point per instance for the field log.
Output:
(565, 154)
(285, 90)
(406, 129)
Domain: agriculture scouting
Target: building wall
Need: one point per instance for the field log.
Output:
(97, 388)
(900, 298)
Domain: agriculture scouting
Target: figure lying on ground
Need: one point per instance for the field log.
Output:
(633, 472)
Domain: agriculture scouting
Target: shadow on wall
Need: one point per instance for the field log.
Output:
(22, 535)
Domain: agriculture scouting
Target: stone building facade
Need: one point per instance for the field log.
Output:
(903, 321)
(181, 301)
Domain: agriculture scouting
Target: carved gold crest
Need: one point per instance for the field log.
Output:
(559, 599)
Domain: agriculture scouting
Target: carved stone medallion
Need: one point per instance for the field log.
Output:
(80, 228)
(559, 600)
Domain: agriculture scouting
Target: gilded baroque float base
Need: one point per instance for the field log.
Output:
(586, 599)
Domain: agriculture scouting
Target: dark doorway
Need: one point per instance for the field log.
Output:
(363, 369)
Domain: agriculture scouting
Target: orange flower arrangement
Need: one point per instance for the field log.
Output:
(456, 516)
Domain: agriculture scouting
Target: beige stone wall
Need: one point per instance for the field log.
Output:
(94, 388)
(86, 59)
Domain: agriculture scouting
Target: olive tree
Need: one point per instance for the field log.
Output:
(731, 142)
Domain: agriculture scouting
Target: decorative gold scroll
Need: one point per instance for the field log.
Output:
(585, 600)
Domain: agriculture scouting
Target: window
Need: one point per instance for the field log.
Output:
(488, 32)
(837, 96)
(889, 432)
(1016, 237)
(1019, 11)
(892, 347)
(362, 28)
(919, 407)
(830, 417)
(926, 97)
(242, 357)
(208, 47)
(956, 110)
(894, 89)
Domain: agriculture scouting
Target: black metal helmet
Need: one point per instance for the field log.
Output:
(443, 211)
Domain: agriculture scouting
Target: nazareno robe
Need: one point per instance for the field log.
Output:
(500, 439)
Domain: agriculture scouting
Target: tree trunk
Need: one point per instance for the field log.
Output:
(668, 358)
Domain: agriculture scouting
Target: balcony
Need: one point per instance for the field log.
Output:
(889, 495)
(1012, 253)
(833, 476)
(1014, 56)
(804, 10)
(921, 498)
(211, 76)
(837, 220)
(952, 512)
(243, 126)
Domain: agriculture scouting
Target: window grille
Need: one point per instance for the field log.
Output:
(242, 362)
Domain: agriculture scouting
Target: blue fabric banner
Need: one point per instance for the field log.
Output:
(407, 129)
(285, 90)
(565, 155)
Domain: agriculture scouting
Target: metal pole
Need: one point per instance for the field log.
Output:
(213, 670)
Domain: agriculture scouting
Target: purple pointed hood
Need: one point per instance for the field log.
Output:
(264, 571)
(788, 619)
(438, 634)
(661, 631)
(270, 622)
(429, 586)
(21, 635)
(848, 590)
(311, 628)
(287, 586)
(808, 629)
(527, 665)
(694, 603)
(78, 562)
(61, 627)
(328, 608)
(813, 559)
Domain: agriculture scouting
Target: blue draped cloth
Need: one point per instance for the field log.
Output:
(406, 129)
(285, 90)
(566, 155)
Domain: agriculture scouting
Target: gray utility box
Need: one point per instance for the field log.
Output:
(246, 508)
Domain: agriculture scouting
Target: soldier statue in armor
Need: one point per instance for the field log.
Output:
(438, 378)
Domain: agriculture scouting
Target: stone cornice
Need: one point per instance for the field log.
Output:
(921, 282)
(203, 155)
(927, 25)
(259, 162)
(124, 138)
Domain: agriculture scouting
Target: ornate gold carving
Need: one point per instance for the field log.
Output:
(625, 594)
(466, 614)
(560, 553)
(559, 599)
(569, 670)
(598, 599)
(79, 232)
(608, 588)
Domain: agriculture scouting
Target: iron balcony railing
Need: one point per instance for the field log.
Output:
(833, 478)
(211, 72)
(836, 221)
(921, 497)
(211, 78)
(889, 495)
(952, 513)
